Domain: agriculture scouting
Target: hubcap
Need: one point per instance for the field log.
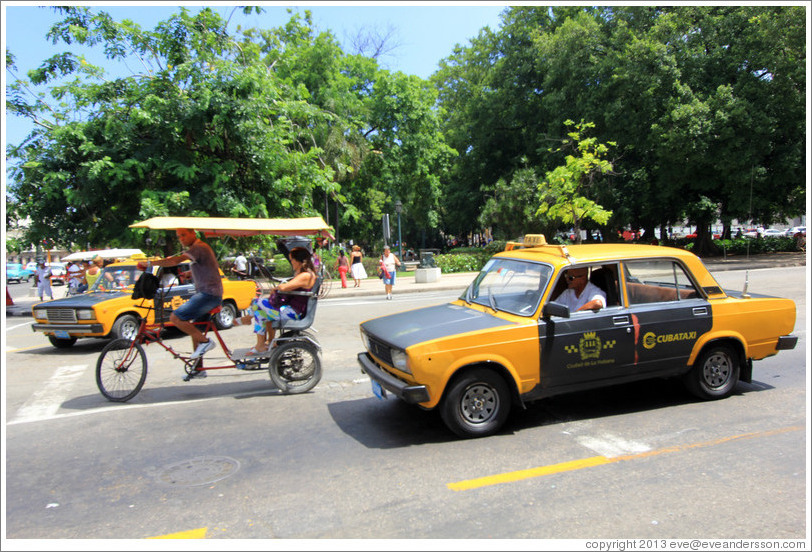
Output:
(479, 403)
(717, 370)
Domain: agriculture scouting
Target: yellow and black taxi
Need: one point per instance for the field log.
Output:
(508, 340)
(107, 309)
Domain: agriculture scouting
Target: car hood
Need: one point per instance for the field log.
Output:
(408, 328)
(85, 299)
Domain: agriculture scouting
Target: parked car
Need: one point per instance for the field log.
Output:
(507, 341)
(795, 230)
(108, 309)
(32, 266)
(772, 233)
(58, 272)
(16, 272)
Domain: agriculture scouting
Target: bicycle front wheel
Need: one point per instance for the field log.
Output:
(121, 370)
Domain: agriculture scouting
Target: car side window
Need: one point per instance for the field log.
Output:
(604, 276)
(657, 281)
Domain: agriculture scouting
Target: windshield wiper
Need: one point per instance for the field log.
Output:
(492, 300)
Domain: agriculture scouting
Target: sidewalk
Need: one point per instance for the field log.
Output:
(405, 282)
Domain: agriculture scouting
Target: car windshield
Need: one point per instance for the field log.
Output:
(116, 278)
(509, 285)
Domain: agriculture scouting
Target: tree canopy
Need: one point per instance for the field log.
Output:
(704, 107)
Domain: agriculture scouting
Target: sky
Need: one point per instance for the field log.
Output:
(425, 31)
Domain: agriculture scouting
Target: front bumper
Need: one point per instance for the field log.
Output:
(412, 394)
(73, 329)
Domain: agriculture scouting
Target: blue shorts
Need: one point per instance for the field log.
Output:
(198, 305)
(391, 280)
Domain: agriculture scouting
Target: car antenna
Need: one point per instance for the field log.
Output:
(746, 295)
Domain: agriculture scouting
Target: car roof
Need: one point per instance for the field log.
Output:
(573, 254)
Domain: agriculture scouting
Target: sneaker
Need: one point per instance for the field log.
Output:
(203, 348)
(195, 374)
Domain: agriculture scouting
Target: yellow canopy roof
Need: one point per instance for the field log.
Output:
(221, 226)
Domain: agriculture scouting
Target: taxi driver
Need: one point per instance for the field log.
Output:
(581, 294)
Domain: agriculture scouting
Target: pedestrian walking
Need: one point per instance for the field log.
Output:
(357, 266)
(43, 277)
(343, 266)
(389, 264)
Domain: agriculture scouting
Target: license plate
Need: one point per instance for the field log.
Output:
(61, 334)
(379, 391)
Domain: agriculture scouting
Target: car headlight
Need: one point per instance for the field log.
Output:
(365, 340)
(41, 313)
(85, 314)
(400, 360)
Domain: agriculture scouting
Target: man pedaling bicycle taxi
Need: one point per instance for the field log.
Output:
(208, 288)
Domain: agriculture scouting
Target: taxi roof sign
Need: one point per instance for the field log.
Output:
(534, 240)
(529, 240)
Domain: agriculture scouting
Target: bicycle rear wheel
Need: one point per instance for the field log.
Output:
(295, 367)
(326, 283)
(121, 370)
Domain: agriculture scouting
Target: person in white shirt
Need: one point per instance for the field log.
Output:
(241, 266)
(581, 294)
(43, 276)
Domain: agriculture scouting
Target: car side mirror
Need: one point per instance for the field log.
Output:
(555, 309)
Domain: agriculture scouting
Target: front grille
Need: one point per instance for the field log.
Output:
(61, 315)
(380, 350)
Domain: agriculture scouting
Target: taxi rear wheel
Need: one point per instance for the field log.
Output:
(476, 404)
(715, 373)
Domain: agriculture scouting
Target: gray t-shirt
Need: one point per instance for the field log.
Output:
(205, 270)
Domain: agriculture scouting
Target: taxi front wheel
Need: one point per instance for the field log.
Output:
(476, 404)
(715, 373)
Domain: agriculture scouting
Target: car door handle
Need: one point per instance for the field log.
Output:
(619, 320)
(700, 311)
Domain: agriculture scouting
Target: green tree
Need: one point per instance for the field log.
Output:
(565, 189)
(204, 129)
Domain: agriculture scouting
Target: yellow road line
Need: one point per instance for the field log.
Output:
(509, 477)
(190, 534)
(40, 346)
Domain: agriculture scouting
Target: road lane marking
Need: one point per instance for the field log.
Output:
(190, 534)
(541, 471)
(9, 328)
(30, 347)
(46, 401)
(611, 445)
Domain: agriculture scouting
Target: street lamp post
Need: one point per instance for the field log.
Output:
(399, 209)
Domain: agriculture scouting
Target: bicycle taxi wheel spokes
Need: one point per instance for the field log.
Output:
(295, 367)
(121, 370)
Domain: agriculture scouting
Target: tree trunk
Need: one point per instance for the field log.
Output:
(703, 245)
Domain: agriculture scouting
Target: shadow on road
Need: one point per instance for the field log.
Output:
(393, 424)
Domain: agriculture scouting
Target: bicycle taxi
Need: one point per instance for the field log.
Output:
(294, 364)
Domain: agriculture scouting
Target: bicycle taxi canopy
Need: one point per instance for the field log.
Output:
(102, 254)
(239, 227)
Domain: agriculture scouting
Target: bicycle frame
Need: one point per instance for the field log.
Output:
(151, 333)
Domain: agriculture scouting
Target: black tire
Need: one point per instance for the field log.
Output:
(476, 404)
(295, 367)
(225, 318)
(715, 373)
(121, 370)
(126, 326)
(62, 342)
